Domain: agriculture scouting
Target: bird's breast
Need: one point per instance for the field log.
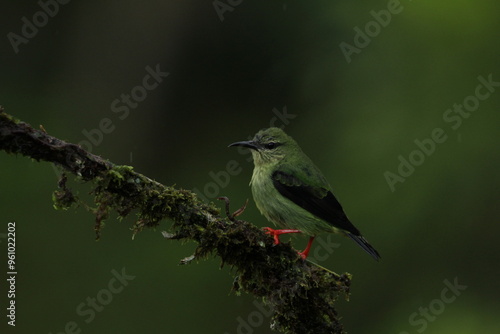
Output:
(266, 196)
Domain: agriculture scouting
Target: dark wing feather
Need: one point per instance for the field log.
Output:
(322, 203)
(365, 245)
(318, 201)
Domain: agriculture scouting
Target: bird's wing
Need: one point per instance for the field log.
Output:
(316, 199)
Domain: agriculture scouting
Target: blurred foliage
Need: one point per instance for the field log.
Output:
(227, 79)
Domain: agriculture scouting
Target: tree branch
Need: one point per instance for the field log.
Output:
(301, 295)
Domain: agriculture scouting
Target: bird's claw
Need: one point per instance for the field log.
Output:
(302, 255)
(277, 233)
(272, 232)
(268, 230)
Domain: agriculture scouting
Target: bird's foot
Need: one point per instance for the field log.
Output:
(305, 252)
(277, 233)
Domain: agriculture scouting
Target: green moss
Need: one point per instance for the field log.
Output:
(301, 295)
(9, 117)
(123, 190)
(63, 198)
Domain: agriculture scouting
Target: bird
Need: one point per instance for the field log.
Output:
(291, 192)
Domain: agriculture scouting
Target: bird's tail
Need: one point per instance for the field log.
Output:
(365, 245)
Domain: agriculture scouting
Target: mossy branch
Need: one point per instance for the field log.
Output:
(301, 295)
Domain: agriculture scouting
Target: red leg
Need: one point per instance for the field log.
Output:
(305, 253)
(277, 233)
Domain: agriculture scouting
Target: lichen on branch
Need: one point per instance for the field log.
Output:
(300, 294)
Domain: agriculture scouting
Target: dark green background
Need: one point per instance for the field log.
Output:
(226, 78)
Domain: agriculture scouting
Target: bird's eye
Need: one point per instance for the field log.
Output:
(271, 145)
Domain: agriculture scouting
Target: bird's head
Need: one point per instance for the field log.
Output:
(269, 146)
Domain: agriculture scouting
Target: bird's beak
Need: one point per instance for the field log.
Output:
(250, 144)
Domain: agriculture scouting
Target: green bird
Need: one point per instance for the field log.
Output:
(291, 191)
